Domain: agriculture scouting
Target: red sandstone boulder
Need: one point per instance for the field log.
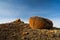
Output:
(40, 23)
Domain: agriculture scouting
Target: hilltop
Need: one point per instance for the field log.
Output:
(18, 30)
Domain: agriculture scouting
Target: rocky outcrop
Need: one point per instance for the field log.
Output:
(40, 23)
(18, 30)
(18, 21)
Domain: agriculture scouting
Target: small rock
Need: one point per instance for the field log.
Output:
(17, 20)
(25, 33)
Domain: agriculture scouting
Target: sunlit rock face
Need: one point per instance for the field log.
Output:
(40, 23)
(18, 21)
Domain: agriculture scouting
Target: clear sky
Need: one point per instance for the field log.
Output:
(24, 9)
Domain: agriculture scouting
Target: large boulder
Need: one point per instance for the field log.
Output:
(40, 23)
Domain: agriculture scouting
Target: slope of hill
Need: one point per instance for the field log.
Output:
(19, 30)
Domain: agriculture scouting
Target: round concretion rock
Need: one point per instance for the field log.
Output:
(36, 22)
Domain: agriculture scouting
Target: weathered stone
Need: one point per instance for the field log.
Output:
(17, 20)
(40, 23)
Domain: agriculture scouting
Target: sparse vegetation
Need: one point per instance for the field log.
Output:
(22, 31)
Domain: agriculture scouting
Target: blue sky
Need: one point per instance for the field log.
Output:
(24, 9)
